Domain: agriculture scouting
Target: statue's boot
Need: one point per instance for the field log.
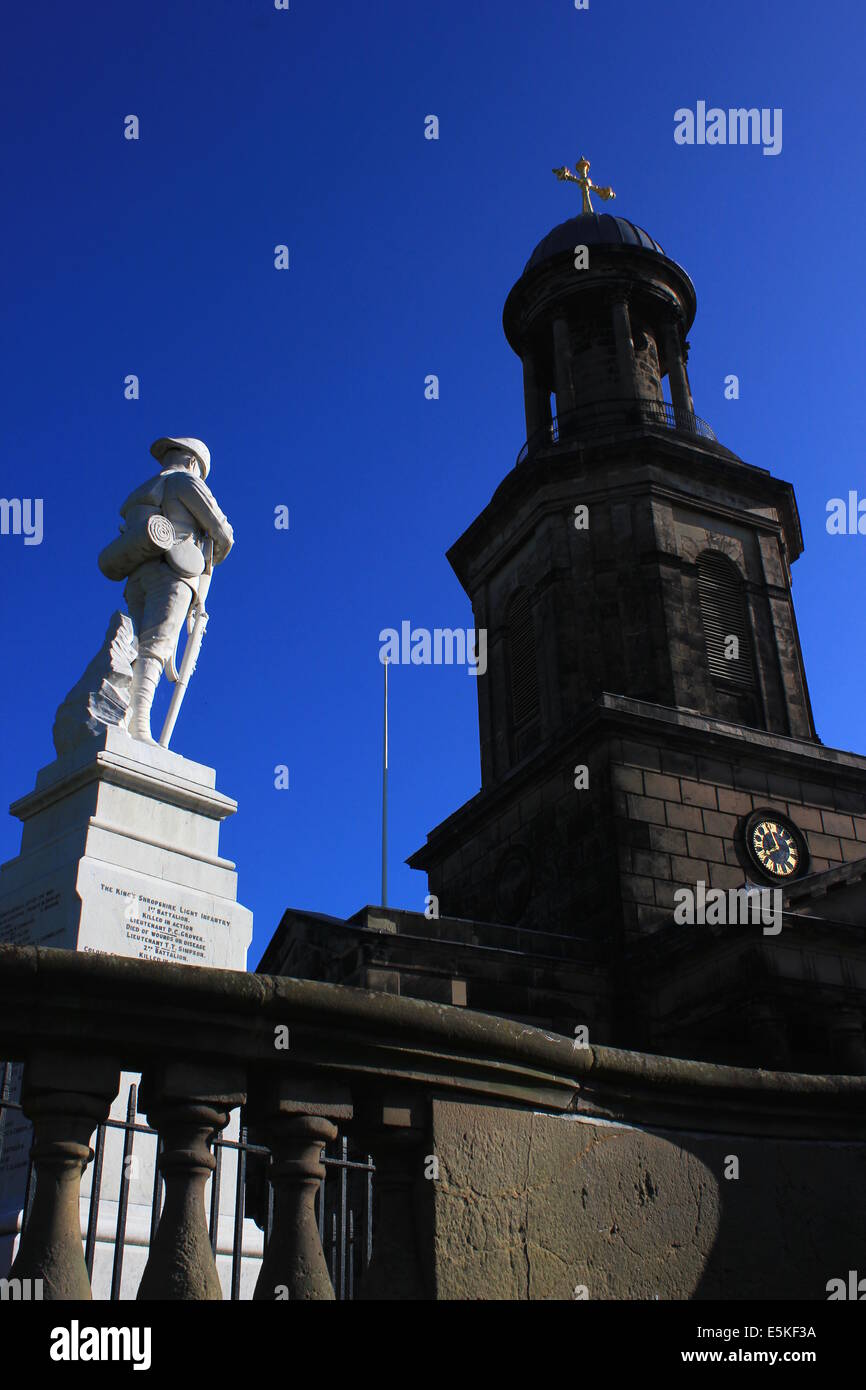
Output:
(146, 671)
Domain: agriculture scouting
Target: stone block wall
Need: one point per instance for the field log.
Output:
(541, 1206)
(658, 814)
(547, 977)
(676, 815)
(539, 854)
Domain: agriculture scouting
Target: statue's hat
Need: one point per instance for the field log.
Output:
(192, 446)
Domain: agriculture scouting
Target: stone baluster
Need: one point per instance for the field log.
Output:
(294, 1264)
(65, 1096)
(295, 1117)
(395, 1130)
(188, 1104)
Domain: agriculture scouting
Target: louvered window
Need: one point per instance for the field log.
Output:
(726, 620)
(521, 660)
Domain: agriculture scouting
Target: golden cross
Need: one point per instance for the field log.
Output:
(586, 184)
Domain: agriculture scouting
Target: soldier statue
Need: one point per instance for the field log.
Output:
(174, 533)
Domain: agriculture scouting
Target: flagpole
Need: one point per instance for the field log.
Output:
(385, 795)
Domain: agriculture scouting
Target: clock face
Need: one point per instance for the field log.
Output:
(774, 846)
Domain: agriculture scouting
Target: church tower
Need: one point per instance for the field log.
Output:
(645, 726)
(645, 710)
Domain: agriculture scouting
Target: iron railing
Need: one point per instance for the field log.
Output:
(614, 416)
(344, 1204)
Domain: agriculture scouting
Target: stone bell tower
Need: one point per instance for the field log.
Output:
(645, 690)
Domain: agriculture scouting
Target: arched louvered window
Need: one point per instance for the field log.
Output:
(523, 670)
(725, 617)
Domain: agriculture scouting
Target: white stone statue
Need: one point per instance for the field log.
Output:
(174, 533)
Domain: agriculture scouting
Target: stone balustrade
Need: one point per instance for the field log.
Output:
(490, 1138)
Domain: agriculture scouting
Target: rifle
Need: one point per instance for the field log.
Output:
(196, 626)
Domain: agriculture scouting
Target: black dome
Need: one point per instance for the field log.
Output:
(591, 229)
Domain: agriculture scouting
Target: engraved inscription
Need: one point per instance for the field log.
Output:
(26, 923)
(158, 929)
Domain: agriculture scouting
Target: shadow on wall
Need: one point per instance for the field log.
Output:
(627, 1213)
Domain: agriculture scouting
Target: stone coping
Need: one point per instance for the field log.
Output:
(146, 1012)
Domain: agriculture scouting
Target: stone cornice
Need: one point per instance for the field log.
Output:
(644, 271)
(117, 770)
(612, 715)
(538, 481)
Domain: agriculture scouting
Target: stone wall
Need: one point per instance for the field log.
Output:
(666, 791)
(676, 815)
(539, 854)
(537, 1206)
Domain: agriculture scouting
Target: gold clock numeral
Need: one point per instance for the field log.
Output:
(769, 838)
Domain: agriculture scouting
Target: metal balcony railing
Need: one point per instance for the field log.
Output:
(613, 417)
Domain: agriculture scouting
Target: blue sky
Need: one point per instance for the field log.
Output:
(306, 127)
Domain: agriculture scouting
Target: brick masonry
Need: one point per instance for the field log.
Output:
(689, 808)
(605, 861)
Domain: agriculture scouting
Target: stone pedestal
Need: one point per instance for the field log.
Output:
(120, 854)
